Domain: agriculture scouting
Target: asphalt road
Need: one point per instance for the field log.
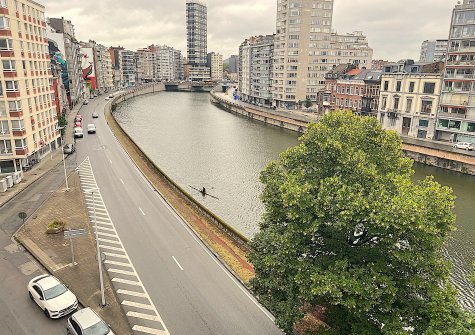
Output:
(192, 291)
(18, 314)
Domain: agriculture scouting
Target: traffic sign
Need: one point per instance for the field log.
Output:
(74, 233)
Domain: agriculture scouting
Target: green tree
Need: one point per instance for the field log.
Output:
(347, 230)
(308, 103)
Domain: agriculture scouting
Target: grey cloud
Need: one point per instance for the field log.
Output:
(395, 29)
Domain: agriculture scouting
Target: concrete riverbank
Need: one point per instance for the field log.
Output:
(434, 153)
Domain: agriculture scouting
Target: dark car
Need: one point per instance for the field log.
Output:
(69, 148)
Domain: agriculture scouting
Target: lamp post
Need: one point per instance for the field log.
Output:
(99, 260)
(64, 162)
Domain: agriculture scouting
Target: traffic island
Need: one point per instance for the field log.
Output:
(54, 252)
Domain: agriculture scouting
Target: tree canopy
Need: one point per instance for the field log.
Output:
(347, 230)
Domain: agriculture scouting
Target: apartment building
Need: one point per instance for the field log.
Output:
(116, 60)
(104, 69)
(129, 68)
(456, 117)
(409, 98)
(146, 65)
(28, 116)
(215, 64)
(306, 49)
(169, 63)
(255, 69)
(433, 51)
(197, 39)
(72, 52)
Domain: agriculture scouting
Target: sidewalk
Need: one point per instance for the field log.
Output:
(54, 252)
(46, 164)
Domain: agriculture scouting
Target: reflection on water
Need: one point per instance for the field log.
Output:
(199, 145)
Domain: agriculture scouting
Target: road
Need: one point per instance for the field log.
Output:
(18, 314)
(191, 290)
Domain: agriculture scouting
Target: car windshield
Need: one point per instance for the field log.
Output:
(55, 291)
(99, 328)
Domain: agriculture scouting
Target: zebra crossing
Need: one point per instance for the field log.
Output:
(139, 308)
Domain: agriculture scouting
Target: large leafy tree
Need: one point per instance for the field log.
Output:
(347, 231)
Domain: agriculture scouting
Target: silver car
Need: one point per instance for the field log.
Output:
(87, 322)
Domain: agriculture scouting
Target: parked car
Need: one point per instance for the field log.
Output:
(78, 132)
(107, 98)
(87, 322)
(77, 124)
(78, 117)
(91, 96)
(95, 115)
(464, 145)
(53, 297)
(86, 102)
(69, 148)
(91, 128)
(111, 96)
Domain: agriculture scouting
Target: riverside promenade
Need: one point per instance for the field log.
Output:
(434, 153)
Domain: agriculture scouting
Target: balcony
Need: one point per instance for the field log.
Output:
(18, 113)
(7, 53)
(19, 132)
(452, 115)
(21, 151)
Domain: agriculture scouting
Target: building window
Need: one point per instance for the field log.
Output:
(9, 65)
(6, 44)
(386, 85)
(384, 101)
(471, 127)
(12, 86)
(411, 86)
(398, 86)
(426, 107)
(4, 22)
(3, 3)
(423, 123)
(14, 106)
(4, 128)
(396, 103)
(5, 147)
(408, 105)
(429, 88)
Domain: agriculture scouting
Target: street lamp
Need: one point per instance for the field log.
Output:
(64, 162)
(99, 260)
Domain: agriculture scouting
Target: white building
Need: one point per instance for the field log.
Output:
(255, 69)
(215, 64)
(432, 51)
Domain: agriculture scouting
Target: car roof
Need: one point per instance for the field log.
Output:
(86, 317)
(91, 125)
(48, 282)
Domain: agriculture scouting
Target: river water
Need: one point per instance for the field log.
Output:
(199, 145)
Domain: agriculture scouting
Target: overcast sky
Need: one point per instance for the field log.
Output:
(395, 28)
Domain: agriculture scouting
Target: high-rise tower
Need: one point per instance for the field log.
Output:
(456, 117)
(197, 36)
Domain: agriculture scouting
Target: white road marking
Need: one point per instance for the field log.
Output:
(122, 272)
(108, 241)
(110, 254)
(177, 263)
(149, 330)
(137, 305)
(122, 181)
(110, 248)
(141, 211)
(132, 293)
(106, 229)
(110, 161)
(143, 316)
(125, 281)
(117, 263)
(106, 234)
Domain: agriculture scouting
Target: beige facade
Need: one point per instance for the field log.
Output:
(28, 120)
(215, 63)
(408, 103)
(306, 48)
(146, 65)
(104, 69)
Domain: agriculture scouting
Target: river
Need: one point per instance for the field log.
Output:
(199, 145)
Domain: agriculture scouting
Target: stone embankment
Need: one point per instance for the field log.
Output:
(428, 152)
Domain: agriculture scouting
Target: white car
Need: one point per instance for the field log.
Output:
(78, 132)
(87, 322)
(53, 297)
(91, 128)
(107, 98)
(95, 115)
(464, 145)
